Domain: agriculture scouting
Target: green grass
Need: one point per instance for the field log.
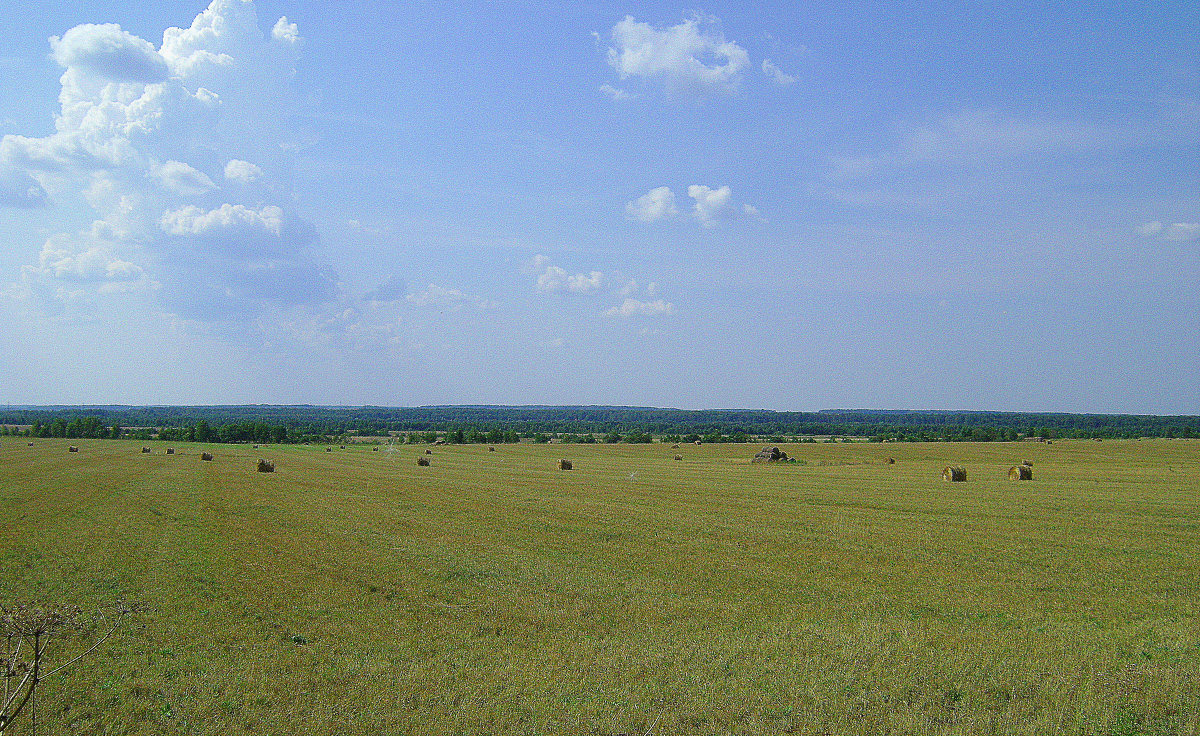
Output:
(352, 592)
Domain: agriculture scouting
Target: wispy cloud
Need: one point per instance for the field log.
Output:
(777, 75)
(631, 307)
(1176, 231)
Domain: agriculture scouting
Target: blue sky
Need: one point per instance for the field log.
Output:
(784, 206)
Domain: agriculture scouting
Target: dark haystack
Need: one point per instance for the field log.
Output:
(170, 450)
(954, 473)
(1020, 472)
(698, 442)
(343, 447)
(328, 449)
(565, 465)
(146, 450)
(889, 461)
(429, 452)
(770, 455)
(374, 449)
(675, 446)
(206, 456)
(423, 461)
(31, 444)
(266, 466)
(679, 457)
(491, 449)
(256, 447)
(72, 448)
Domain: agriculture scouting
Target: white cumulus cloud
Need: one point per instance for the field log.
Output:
(555, 278)
(95, 263)
(585, 282)
(109, 53)
(137, 134)
(242, 172)
(711, 204)
(684, 58)
(656, 204)
(192, 220)
(285, 31)
(183, 179)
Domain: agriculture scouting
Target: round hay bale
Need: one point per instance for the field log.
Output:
(72, 448)
(423, 461)
(170, 450)
(698, 442)
(675, 446)
(770, 455)
(31, 444)
(679, 457)
(374, 449)
(491, 449)
(1020, 472)
(266, 466)
(954, 473)
(328, 449)
(206, 456)
(1027, 463)
(145, 450)
(429, 452)
(889, 461)
(565, 465)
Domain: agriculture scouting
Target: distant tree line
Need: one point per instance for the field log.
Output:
(579, 424)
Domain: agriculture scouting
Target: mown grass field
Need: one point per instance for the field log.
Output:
(352, 592)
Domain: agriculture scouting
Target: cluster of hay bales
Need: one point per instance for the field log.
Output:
(266, 466)
(1024, 471)
(423, 461)
(954, 473)
(770, 455)
(565, 465)
(206, 456)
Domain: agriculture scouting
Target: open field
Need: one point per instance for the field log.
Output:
(352, 592)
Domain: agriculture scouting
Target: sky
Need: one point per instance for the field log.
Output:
(789, 206)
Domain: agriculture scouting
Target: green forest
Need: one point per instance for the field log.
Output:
(583, 424)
